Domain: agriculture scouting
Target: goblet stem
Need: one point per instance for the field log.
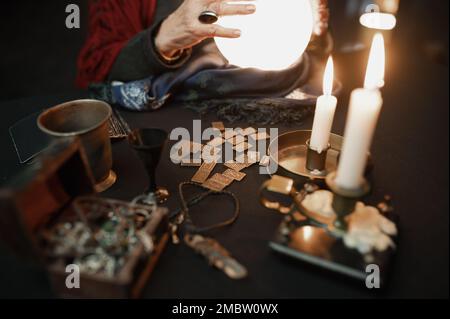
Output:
(152, 188)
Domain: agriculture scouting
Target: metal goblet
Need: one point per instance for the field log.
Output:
(149, 144)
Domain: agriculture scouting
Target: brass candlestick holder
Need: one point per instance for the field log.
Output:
(294, 158)
(291, 152)
(315, 161)
(344, 199)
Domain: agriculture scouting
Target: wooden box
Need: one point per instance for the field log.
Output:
(43, 193)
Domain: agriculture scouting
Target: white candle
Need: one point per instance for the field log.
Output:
(364, 110)
(324, 114)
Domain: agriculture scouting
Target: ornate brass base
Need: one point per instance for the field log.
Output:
(106, 183)
(162, 194)
(344, 200)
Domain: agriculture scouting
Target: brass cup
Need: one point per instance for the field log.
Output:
(88, 120)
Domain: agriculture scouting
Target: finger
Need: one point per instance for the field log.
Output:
(211, 1)
(226, 9)
(214, 30)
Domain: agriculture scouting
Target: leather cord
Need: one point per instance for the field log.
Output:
(184, 215)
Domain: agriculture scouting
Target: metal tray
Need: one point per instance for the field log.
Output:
(289, 151)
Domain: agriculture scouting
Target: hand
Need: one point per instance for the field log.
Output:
(321, 16)
(182, 29)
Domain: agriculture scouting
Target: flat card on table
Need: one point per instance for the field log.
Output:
(28, 139)
(229, 134)
(238, 176)
(214, 185)
(259, 136)
(236, 140)
(254, 156)
(216, 141)
(218, 125)
(222, 179)
(236, 166)
(218, 182)
(203, 172)
(248, 131)
(242, 147)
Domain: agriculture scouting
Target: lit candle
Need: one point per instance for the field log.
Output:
(378, 21)
(365, 106)
(381, 18)
(324, 114)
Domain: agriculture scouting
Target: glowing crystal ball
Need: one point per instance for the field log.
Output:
(272, 38)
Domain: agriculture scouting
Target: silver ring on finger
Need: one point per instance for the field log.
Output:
(208, 17)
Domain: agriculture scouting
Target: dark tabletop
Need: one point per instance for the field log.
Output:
(410, 152)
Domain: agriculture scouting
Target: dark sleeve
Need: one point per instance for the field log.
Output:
(139, 58)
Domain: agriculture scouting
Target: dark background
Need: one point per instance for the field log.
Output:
(410, 149)
(38, 53)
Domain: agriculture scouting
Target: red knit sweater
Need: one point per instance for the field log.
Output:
(112, 23)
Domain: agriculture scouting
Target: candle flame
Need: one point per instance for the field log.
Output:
(376, 65)
(378, 20)
(307, 233)
(328, 77)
